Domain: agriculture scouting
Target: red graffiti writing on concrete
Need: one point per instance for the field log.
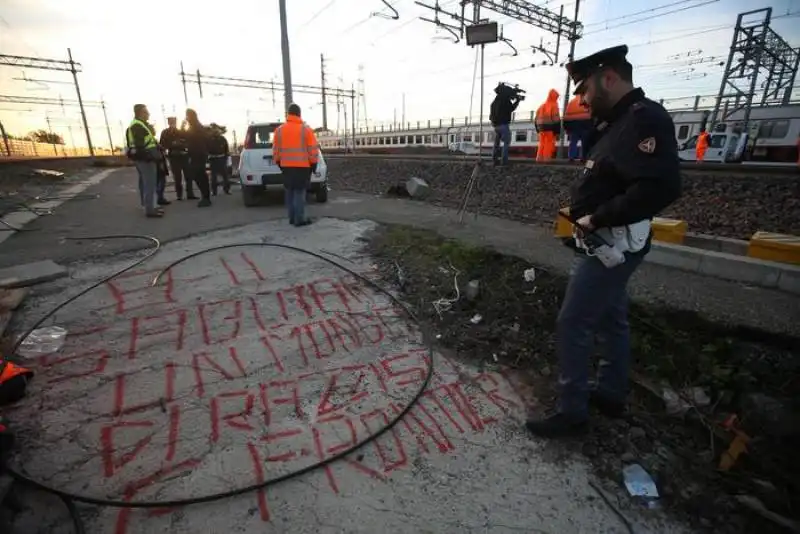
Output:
(447, 409)
(249, 363)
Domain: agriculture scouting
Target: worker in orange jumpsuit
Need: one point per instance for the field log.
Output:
(702, 146)
(13, 382)
(296, 151)
(577, 123)
(548, 124)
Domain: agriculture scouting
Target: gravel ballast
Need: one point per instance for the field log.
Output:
(734, 206)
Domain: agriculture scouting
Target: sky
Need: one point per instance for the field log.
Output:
(409, 68)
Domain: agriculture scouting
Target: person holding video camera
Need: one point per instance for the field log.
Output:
(503, 106)
(632, 173)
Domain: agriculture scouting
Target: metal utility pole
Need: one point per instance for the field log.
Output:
(183, 83)
(756, 52)
(404, 111)
(563, 149)
(353, 114)
(324, 96)
(108, 128)
(362, 93)
(80, 101)
(287, 66)
(48, 64)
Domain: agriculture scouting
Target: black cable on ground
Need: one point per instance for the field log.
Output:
(69, 497)
(19, 477)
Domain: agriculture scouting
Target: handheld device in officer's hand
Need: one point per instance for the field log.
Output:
(596, 245)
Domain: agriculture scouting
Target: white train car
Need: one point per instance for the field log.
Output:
(771, 138)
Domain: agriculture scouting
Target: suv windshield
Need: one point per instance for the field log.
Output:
(261, 136)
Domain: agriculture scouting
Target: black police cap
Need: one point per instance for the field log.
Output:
(581, 69)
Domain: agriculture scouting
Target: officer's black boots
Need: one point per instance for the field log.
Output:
(557, 426)
(606, 406)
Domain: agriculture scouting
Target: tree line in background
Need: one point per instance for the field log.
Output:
(41, 136)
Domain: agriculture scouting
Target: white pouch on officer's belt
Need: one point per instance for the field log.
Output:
(629, 238)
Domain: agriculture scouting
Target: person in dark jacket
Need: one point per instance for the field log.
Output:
(503, 106)
(632, 173)
(218, 153)
(197, 143)
(173, 140)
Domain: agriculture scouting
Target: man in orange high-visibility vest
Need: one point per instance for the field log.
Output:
(296, 152)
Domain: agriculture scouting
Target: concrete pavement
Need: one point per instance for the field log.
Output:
(249, 363)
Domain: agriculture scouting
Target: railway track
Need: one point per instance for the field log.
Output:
(729, 168)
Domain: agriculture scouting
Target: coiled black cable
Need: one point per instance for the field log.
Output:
(71, 498)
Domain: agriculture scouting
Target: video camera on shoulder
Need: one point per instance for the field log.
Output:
(509, 91)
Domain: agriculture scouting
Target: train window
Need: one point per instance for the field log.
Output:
(683, 132)
(780, 128)
(490, 137)
(717, 141)
(520, 136)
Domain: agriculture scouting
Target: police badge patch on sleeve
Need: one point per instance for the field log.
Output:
(648, 146)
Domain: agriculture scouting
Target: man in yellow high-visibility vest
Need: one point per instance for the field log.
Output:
(143, 150)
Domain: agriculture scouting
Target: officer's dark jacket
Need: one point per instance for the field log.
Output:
(632, 167)
(174, 141)
(501, 109)
(218, 146)
(197, 140)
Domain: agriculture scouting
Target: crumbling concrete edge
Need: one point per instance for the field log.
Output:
(18, 219)
(768, 274)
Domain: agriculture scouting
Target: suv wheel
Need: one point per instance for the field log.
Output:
(251, 195)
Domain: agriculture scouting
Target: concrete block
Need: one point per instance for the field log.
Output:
(30, 274)
(775, 247)
(789, 280)
(739, 268)
(417, 187)
(10, 299)
(718, 244)
(677, 256)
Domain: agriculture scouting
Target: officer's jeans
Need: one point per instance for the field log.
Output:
(596, 302)
(148, 183)
(502, 133)
(296, 204)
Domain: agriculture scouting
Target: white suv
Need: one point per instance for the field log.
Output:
(258, 173)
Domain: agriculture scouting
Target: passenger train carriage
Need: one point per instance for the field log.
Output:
(771, 138)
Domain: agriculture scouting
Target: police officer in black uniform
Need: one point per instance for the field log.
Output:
(174, 142)
(632, 172)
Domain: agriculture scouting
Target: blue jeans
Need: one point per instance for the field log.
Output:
(501, 133)
(296, 204)
(148, 184)
(596, 302)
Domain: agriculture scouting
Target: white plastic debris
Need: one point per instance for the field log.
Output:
(529, 274)
(42, 341)
(473, 289)
(639, 483)
(476, 318)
